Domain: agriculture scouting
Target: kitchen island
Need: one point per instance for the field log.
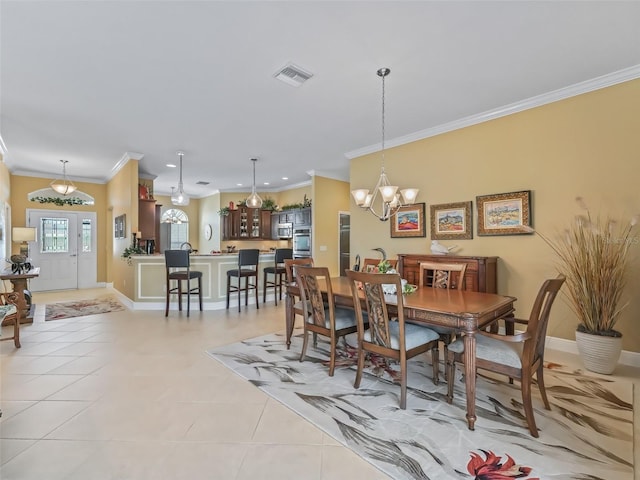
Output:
(150, 280)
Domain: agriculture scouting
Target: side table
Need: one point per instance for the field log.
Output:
(19, 282)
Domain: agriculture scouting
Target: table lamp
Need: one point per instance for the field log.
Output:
(23, 235)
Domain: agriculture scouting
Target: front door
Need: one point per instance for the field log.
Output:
(65, 249)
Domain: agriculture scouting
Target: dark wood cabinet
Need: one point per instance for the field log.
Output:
(481, 274)
(265, 224)
(147, 219)
(246, 223)
(302, 217)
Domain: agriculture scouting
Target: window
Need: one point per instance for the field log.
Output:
(54, 235)
(86, 235)
(178, 224)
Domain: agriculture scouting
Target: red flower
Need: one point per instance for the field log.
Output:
(490, 468)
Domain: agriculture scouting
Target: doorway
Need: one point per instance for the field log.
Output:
(344, 228)
(65, 249)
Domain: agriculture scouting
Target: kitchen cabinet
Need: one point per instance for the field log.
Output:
(147, 219)
(481, 274)
(302, 217)
(246, 223)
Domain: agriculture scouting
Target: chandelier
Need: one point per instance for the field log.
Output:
(391, 200)
(254, 200)
(179, 197)
(64, 186)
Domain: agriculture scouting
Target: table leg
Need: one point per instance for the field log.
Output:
(19, 286)
(470, 376)
(288, 308)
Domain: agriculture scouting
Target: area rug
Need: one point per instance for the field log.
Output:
(57, 311)
(587, 435)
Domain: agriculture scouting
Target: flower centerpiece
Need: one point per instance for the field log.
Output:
(593, 256)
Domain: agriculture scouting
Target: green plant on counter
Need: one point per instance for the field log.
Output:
(132, 250)
(224, 211)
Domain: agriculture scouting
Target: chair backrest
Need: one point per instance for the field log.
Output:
(290, 265)
(309, 281)
(539, 319)
(248, 257)
(176, 258)
(371, 284)
(442, 275)
(282, 254)
(371, 264)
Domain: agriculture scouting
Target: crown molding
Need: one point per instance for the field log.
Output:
(604, 81)
(73, 178)
(3, 148)
(122, 162)
(331, 175)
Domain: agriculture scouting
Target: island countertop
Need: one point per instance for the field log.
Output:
(150, 279)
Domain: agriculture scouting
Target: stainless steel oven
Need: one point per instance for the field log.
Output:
(285, 230)
(302, 242)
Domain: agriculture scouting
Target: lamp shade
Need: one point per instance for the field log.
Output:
(23, 234)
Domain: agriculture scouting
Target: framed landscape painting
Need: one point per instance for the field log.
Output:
(451, 221)
(504, 213)
(408, 221)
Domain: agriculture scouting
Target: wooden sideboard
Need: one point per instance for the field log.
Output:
(481, 274)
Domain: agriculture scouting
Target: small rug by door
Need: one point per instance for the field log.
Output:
(588, 434)
(79, 308)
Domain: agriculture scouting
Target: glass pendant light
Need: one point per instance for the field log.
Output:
(64, 186)
(254, 200)
(179, 197)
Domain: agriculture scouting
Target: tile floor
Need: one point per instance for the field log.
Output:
(132, 395)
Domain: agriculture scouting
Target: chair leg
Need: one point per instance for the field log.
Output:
(16, 330)
(200, 291)
(188, 296)
(451, 376)
(228, 289)
(239, 292)
(332, 358)
(246, 291)
(166, 308)
(528, 407)
(303, 352)
(255, 287)
(543, 390)
(264, 287)
(403, 383)
(180, 295)
(435, 363)
(361, 355)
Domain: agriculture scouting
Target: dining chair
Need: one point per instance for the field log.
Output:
(370, 265)
(278, 271)
(518, 356)
(320, 317)
(397, 340)
(179, 259)
(442, 275)
(247, 268)
(9, 305)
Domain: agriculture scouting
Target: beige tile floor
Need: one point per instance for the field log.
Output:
(132, 395)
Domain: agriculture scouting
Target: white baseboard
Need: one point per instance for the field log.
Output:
(569, 346)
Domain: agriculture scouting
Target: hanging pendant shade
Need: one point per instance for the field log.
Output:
(179, 197)
(64, 186)
(254, 200)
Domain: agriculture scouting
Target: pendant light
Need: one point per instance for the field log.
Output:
(254, 200)
(390, 199)
(179, 197)
(64, 186)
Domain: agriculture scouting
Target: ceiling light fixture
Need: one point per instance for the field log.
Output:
(390, 198)
(179, 197)
(64, 186)
(254, 200)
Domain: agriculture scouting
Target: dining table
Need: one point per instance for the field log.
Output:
(463, 311)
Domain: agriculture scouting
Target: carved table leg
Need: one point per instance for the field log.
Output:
(470, 376)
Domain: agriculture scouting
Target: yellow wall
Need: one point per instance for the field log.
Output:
(294, 195)
(21, 186)
(329, 197)
(586, 145)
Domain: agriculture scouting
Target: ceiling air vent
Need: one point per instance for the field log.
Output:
(201, 182)
(293, 75)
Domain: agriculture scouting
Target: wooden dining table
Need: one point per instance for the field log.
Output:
(463, 311)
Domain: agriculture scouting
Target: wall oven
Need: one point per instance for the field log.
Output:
(302, 242)
(285, 231)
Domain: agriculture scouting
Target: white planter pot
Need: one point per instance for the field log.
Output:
(599, 353)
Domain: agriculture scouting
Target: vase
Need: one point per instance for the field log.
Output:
(599, 353)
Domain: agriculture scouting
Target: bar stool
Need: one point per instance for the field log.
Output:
(247, 267)
(180, 259)
(278, 271)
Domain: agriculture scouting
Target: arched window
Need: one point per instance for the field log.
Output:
(176, 223)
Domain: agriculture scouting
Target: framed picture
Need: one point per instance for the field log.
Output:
(504, 213)
(119, 226)
(451, 221)
(408, 221)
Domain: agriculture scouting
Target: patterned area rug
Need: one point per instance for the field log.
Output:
(57, 311)
(587, 435)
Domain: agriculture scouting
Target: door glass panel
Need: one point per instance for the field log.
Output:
(54, 235)
(86, 235)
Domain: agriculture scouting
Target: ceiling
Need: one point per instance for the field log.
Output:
(89, 81)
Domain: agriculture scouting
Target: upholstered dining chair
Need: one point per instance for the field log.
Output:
(247, 268)
(179, 259)
(442, 275)
(370, 265)
(278, 271)
(320, 317)
(9, 304)
(518, 356)
(397, 340)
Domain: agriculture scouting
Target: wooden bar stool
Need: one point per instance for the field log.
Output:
(180, 259)
(247, 268)
(278, 271)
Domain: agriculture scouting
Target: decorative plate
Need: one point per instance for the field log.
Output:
(208, 231)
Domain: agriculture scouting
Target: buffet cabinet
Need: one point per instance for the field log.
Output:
(481, 274)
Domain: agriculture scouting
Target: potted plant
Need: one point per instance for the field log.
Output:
(593, 255)
(132, 250)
